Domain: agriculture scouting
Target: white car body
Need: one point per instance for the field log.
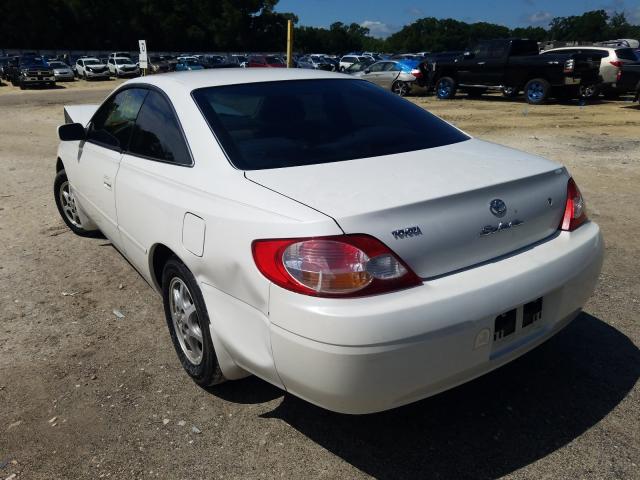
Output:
(91, 68)
(353, 355)
(348, 60)
(122, 67)
(610, 61)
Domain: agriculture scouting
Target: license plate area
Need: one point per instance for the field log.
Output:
(505, 325)
(508, 325)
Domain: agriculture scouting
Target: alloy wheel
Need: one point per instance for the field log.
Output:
(186, 323)
(69, 206)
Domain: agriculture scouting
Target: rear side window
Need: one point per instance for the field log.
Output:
(157, 134)
(112, 124)
(521, 48)
(595, 53)
(627, 54)
(292, 123)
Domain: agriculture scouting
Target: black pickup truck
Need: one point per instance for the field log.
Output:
(629, 79)
(28, 70)
(514, 65)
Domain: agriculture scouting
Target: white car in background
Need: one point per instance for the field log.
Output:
(122, 67)
(348, 60)
(361, 256)
(91, 68)
(611, 61)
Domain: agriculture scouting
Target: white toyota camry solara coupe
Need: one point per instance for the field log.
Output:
(326, 235)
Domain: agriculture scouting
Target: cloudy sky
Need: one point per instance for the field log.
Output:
(384, 17)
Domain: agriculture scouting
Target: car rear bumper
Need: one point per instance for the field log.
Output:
(372, 354)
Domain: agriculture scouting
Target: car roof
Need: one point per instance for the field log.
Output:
(232, 76)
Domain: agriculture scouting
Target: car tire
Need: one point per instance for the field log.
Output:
(188, 322)
(22, 86)
(588, 92)
(400, 88)
(536, 91)
(67, 207)
(510, 92)
(446, 88)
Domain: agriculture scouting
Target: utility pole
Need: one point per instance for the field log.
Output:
(289, 43)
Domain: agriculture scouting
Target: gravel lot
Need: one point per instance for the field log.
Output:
(84, 394)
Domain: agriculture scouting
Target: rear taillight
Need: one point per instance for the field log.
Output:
(575, 210)
(416, 73)
(616, 63)
(337, 266)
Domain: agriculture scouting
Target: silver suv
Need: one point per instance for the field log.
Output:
(611, 63)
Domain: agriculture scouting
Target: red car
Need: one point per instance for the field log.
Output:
(266, 61)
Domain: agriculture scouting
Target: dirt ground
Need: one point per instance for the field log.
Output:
(84, 394)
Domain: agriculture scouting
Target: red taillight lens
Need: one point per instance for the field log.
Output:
(337, 266)
(575, 210)
(416, 73)
(616, 63)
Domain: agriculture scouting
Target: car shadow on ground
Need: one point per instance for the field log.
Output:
(486, 428)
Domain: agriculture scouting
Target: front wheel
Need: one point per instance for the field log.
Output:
(446, 88)
(400, 88)
(67, 205)
(188, 322)
(537, 91)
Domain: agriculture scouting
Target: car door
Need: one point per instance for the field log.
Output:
(79, 67)
(492, 71)
(374, 73)
(149, 191)
(389, 74)
(98, 158)
(470, 67)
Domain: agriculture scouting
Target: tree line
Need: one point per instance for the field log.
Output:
(254, 25)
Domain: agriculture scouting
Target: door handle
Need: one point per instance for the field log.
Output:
(107, 182)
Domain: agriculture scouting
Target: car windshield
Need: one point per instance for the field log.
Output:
(123, 61)
(273, 60)
(302, 122)
(35, 62)
(92, 61)
(57, 64)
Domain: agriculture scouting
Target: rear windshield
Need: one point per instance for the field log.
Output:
(302, 122)
(626, 54)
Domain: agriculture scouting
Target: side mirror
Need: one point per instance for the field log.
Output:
(468, 55)
(71, 131)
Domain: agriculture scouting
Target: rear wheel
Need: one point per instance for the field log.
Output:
(400, 88)
(67, 205)
(537, 91)
(446, 88)
(188, 323)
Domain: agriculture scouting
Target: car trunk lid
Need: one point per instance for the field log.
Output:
(433, 207)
